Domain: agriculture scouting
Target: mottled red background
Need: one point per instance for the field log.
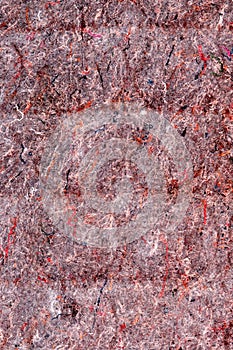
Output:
(60, 57)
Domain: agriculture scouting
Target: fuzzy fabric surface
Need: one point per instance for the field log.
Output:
(162, 289)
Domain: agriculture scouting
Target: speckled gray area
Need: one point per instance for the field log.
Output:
(163, 290)
(103, 176)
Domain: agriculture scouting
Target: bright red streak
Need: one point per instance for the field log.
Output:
(9, 240)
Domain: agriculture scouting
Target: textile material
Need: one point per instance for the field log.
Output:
(161, 290)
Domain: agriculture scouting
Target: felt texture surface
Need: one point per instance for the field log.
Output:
(162, 290)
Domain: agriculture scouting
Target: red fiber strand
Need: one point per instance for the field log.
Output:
(9, 240)
(161, 294)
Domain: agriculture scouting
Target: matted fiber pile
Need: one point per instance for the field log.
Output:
(116, 175)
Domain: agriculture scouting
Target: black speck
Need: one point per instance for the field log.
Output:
(184, 132)
(83, 77)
